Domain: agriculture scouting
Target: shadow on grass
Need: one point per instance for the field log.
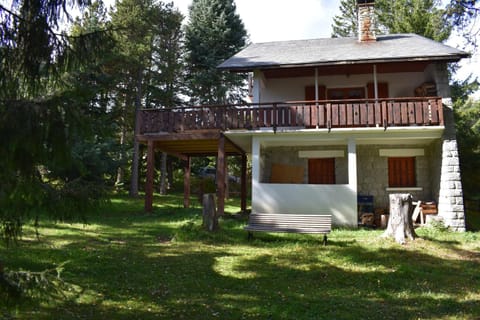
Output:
(177, 283)
(163, 266)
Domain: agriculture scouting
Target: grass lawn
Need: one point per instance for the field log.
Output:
(125, 264)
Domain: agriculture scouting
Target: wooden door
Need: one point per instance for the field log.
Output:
(310, 93)
(321, 171)
(382, 90)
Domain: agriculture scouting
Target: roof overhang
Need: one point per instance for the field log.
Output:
(328, 52)
(345, 63)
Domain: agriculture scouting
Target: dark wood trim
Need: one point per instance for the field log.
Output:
(150, 177)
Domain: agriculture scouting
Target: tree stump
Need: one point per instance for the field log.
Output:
(400, 224)
(210, 218)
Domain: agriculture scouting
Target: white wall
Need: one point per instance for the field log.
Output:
(287, 89)
(338, 200)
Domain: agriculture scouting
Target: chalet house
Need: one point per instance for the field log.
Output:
(331, 122)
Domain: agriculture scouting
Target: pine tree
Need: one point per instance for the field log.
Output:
(149, 67)
(43, 112)
(346, 24)
(423, 17)
(463, 15)
(215, 32)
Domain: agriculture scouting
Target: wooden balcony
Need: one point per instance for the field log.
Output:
(329, 114)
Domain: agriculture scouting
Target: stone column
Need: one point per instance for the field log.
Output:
(450, 198)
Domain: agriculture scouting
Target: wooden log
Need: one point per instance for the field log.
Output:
(383, 221)
(400, 223)
(209, 213)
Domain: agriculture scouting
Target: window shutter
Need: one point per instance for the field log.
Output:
(321, 171)
(401, 172)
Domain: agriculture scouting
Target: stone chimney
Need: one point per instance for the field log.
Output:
(366, 20)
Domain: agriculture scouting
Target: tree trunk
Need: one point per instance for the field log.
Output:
(120, 171)
(400, 224)
(169, 172)
(210, 217)
(136, 145)
(163, 174)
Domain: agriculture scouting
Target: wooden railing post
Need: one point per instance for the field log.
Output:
(384, 115)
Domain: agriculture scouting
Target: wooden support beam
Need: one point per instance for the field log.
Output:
(187, 169)
(150, 176)
(221, 175)
(243, 184)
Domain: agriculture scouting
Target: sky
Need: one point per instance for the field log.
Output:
(277, 20)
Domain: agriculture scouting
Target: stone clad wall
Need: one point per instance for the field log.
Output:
(437, 173)
(373, 174)
(450, 193)
(289, 156)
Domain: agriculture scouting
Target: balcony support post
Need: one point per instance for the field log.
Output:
(221, 166)
(375, 82)
(187, 169)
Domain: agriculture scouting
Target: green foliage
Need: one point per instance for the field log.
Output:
(463, 15)
(414, 16)
(214, 33)
(16, 287)
(148, 67)
(346, 23)
(400, 16)
(51, 112)
(467, 119)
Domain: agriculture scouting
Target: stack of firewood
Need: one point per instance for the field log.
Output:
(427, 89)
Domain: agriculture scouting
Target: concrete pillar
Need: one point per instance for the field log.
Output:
(255, 172)
(352, 164)
(243, 184)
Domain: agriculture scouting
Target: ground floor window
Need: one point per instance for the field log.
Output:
(401, 172)
(321, 171)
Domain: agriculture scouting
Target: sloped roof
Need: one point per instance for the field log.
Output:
(337, 51)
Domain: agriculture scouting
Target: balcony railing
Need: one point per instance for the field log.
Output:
(327, 114)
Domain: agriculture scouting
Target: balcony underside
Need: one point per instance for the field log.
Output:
(193, 143)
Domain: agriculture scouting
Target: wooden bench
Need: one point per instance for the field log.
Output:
(293, 223)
